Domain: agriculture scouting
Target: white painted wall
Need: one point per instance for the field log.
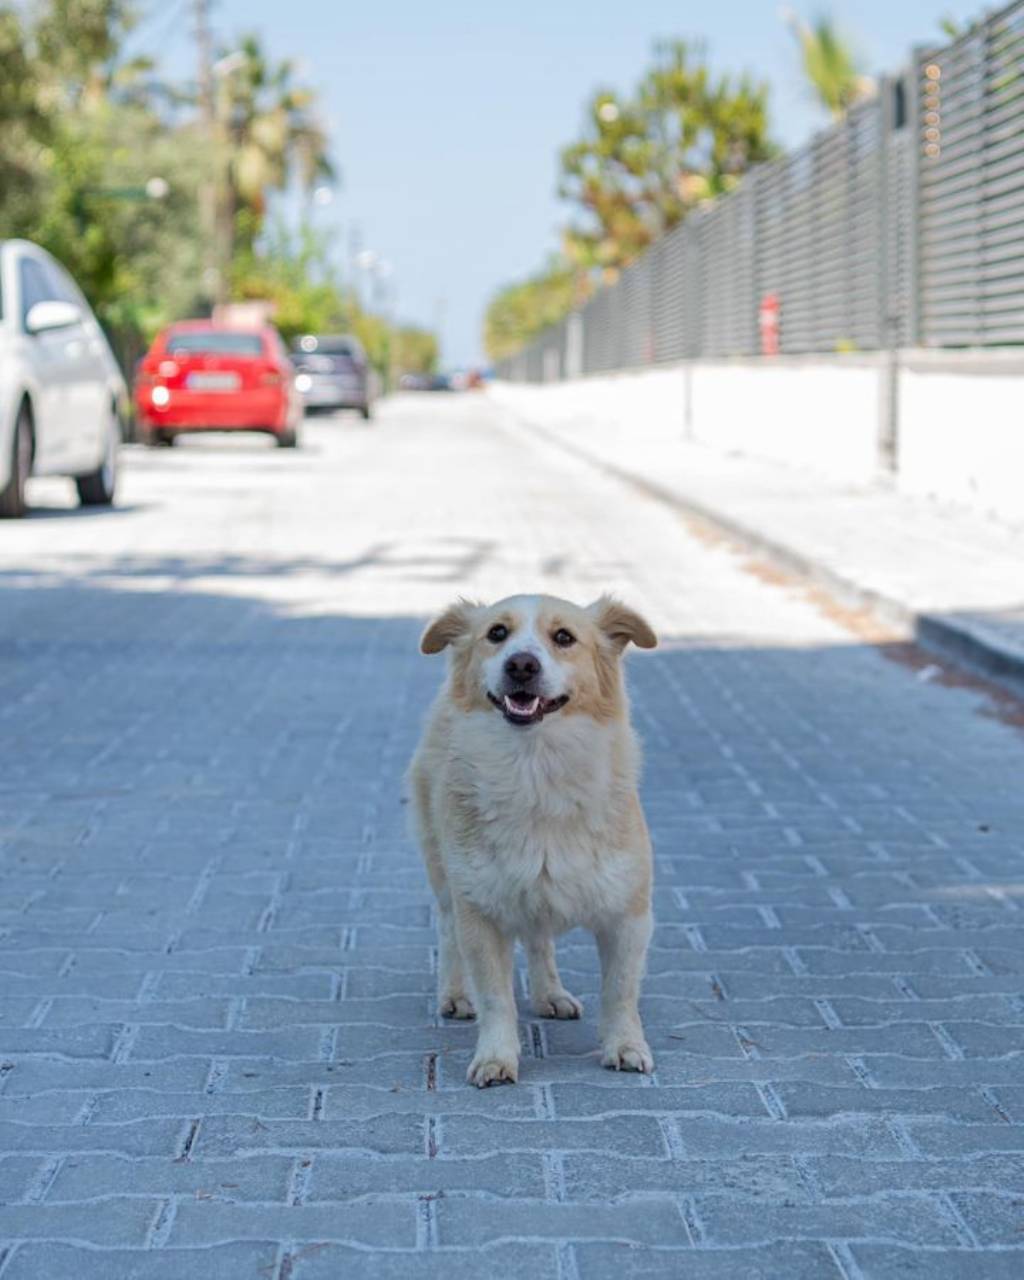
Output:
(818, 415)
(962, 438)
(961, 418)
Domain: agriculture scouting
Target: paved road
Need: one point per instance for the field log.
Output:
(218, 1052)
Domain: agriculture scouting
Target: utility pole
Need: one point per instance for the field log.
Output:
(209, 186)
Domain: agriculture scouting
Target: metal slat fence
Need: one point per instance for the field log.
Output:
(903, 224)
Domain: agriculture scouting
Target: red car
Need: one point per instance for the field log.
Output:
(200, 376)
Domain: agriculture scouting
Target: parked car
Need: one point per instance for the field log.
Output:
(201, 376)
(63, 401)
(332, 372)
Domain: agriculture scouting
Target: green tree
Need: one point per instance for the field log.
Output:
(413, 350)
(518, 312)
(829, 63)
(293, 272)
(81, 137)
(272, 136)
(683, 137)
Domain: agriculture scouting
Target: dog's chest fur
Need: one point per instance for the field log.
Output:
(543, 806)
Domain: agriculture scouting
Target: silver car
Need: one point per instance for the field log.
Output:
(62, 396)
(332, 372)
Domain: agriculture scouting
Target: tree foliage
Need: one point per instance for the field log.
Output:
(829, 63)
(271, 136)
(520, 311)
(684, 136)
(84, 127)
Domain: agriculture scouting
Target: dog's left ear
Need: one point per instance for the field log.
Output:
(449, 627)
(621, 624)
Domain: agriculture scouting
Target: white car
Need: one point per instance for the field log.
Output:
(62, 396)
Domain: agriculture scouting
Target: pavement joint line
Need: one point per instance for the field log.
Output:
(672, 1137)
(957, 1221)
(691, 1220)
(950, 1048)
(302, 1174)
(567, 1265)
(554, 1176)
(44, 1179)
(990, 1097)
(160, 1231)
(771, 1101)
(846, 1263)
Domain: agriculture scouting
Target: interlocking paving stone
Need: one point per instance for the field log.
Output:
(33, 1261)
(219, 1053)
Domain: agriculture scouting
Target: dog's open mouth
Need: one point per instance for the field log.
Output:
(526, 708)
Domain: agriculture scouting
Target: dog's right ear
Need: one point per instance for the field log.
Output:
(449, 627)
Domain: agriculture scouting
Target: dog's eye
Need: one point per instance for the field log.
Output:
(497, 633)
(563, 638)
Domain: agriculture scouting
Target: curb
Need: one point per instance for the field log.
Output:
(959, 640)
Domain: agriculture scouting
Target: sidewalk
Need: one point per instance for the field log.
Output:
(952, 575)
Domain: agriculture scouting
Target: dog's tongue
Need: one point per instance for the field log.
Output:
(521, 708)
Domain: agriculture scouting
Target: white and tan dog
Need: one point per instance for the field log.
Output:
(525, 795)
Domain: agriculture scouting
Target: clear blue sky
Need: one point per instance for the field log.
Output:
(447, 116)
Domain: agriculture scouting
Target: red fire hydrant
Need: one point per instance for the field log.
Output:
(768, 320)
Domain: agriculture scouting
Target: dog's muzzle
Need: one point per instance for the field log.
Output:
(521, 701)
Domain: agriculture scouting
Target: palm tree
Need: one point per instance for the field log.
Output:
(272, 133)
(830, 63)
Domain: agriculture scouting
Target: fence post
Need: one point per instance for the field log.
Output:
(888, 367)
(912, 302)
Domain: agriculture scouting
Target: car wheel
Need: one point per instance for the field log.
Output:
(12, 496)
(288, 440)
(366, 412)
(97, 488)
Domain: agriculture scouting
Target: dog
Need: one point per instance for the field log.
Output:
(524, 798)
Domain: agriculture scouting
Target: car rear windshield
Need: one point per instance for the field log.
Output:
(213, 342)
(325, 346)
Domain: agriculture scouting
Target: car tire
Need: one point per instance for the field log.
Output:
(97, 488)
(158, 439)
(12, 496)
(367, 412)
(288, 440)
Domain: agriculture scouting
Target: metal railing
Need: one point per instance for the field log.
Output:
(902, 225)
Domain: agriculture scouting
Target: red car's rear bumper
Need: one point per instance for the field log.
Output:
(267, 409)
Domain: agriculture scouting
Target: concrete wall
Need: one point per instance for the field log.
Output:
(821, 416)
(961, 433)
(960, 417)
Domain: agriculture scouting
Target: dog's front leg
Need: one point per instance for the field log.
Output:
(487, 955)
(622, 944)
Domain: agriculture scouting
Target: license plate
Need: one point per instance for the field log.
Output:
(212, 382)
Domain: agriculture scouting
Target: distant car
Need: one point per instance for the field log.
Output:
(332, 372)
(201, 376)
(63, 400)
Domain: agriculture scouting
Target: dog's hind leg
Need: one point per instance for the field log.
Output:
(623, 947)
(547, 995)
(452, 992)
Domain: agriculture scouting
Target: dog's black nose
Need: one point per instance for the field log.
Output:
(521, 668)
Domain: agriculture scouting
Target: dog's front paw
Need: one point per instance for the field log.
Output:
(486, 1070)
(454, 1005)
(557, 1004)
(628, 1055)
